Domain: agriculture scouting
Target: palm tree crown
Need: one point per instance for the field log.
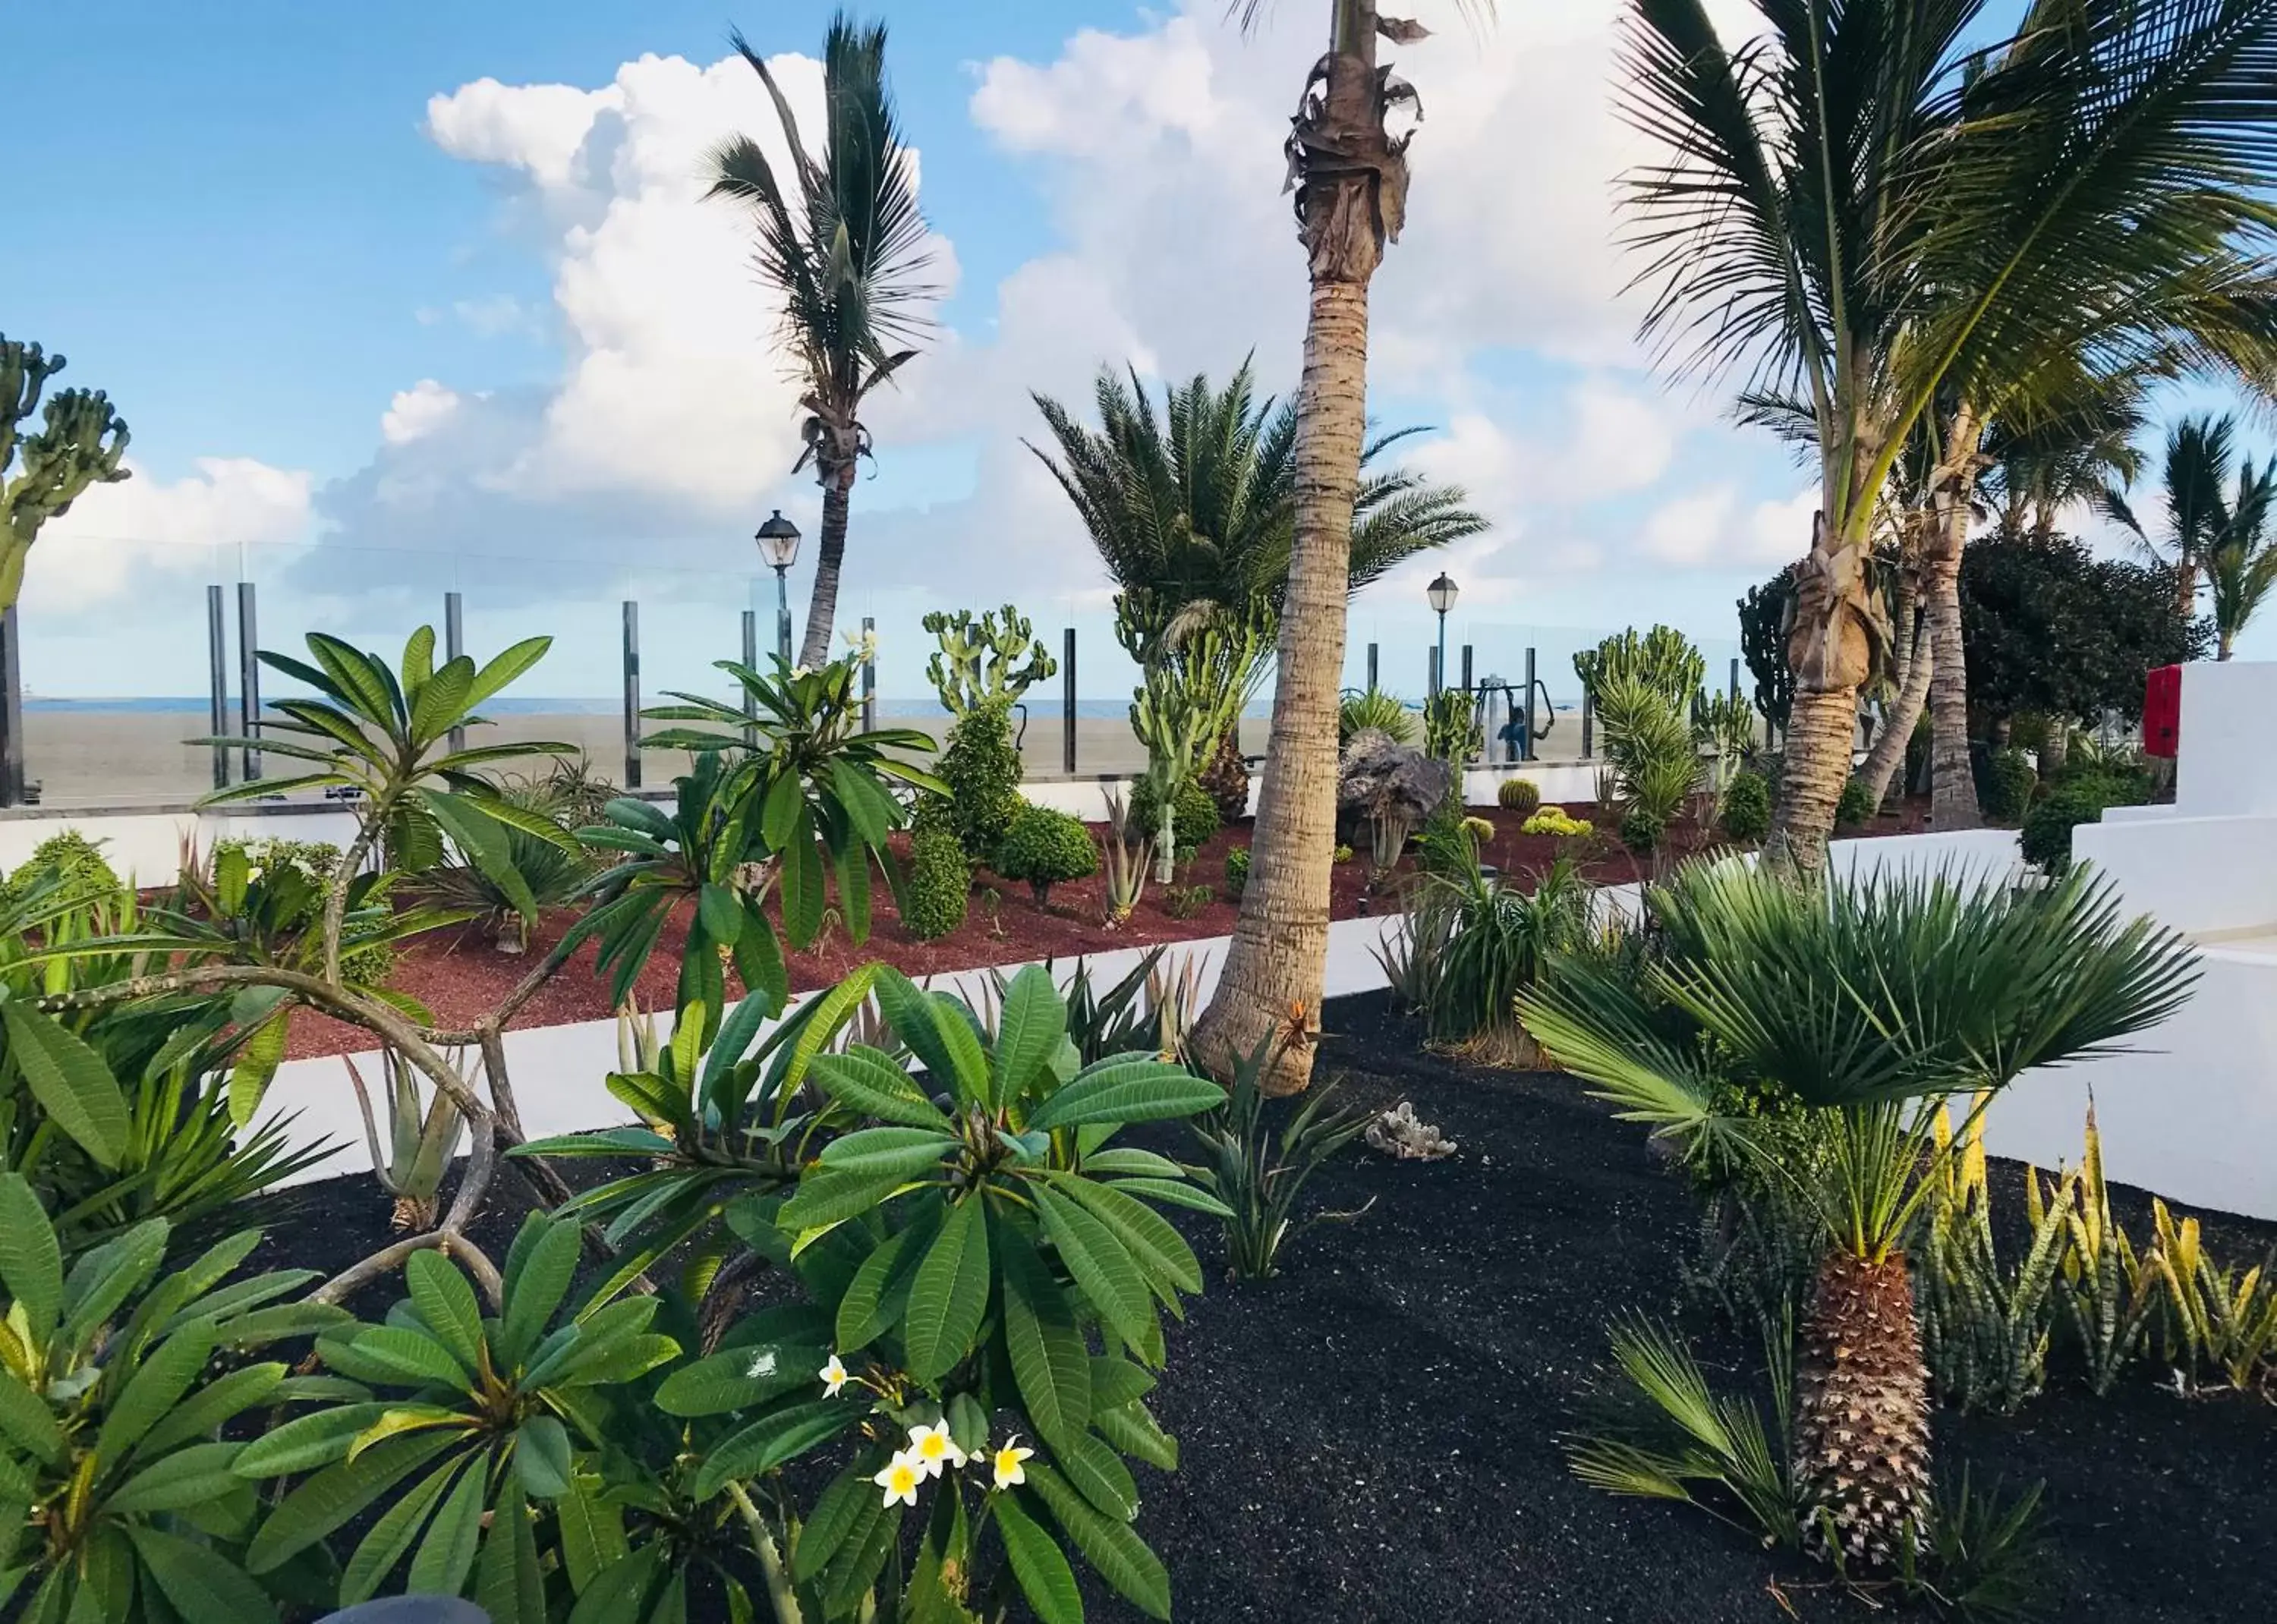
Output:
(843, 243)
(2214, 527)
(1198, 505)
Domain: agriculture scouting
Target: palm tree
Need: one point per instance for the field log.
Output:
(1350, 175)
(1857, 206)
(2196, 470)
(844, 246)
(1198, 504)
(2215, 528)
(1870, 1006)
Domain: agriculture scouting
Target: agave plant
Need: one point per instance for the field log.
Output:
(1871, 1004)
(422, 1140)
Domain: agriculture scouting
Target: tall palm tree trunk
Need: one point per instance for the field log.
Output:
(1352, 183)
(1888, 755)
(829, 559)
(1861, 1438)
(1953, 783)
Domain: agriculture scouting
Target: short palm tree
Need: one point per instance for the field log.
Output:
(2203, 517)
(1870, 1005)
(1198, 504)
(841, 242)
(2240, 567)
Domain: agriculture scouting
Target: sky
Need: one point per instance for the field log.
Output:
(410, 297)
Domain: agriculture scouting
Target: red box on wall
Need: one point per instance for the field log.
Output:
(2162, 711)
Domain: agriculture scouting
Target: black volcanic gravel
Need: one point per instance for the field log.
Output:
(1373, 1437)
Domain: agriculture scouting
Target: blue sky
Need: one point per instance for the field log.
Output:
(406, 297)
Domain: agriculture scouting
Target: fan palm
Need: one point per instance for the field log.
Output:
(1349, 172)
(1198, 504)
(842, 244)
(1858, 207)
(1871, 1006)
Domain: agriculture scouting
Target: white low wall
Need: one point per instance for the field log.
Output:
(2189, 1111)
(147, 846)
(2198, 874)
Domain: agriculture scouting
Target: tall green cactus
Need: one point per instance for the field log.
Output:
(1193, 689)
(79, 444)
(987, 659)
(1663, 659)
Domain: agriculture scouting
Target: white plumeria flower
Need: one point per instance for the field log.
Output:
(1010, 1472)
(900, 1479)
(932, 1448)
(862, 647)
(833, 1376)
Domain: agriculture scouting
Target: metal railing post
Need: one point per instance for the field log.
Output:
(454, 644)
(1466, 668)
(752, 663)
(1589, 725)
(869, 675)
(15, 790)
(1529, 704)
(249, 678)
(632, 695)
(1371, 666)
(217, 682)
(1066, 702)
(1735, 679)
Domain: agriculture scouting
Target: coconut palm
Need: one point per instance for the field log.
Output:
(842, 244)
(2235, 547)
(1870, 1005)
(1198, 504)
(1862, 209)
(1349, 172)
(2196, 468)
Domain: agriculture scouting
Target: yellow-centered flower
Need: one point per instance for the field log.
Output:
(1009, 1473)
(833, 1376)
(932, 1448)
(900, 1479)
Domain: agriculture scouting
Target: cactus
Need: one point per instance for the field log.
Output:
(1663, 659)
(79, 444)
(1198, 665)
(986, 659)
(2108, 1293)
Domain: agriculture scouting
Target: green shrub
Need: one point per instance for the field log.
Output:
(2006, 789)
(1518, 795)
(314, 862)
(70, 860)
(1643, 830)
(981, 766)
(2046, 838)
(1185, 901)
(1487, 943)
(1856, 805)
(1343, 853)
(1237, 871)
(1045, 847)
(1195, 813)
(1748, 808)
(940, 884)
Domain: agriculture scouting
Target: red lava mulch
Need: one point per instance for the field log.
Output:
(460, 977)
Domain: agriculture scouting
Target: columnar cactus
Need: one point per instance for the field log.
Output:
(79, 444)
(989, 659)
(1192, 693)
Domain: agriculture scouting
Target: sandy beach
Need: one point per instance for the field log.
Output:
(84, 758)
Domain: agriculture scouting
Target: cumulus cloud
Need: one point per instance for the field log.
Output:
(116, 535)
(417, 412)
(1716, 529)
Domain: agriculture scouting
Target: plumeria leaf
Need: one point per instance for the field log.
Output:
(1128, 1089)
(1049, 1361)
(870, 1082)
(1119, 1555)
(773, 1439)
(1044, 1577)
(739, 1378)
(948, 1298)
(837, 1510)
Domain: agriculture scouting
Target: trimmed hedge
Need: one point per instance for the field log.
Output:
(981, 766)
(1194, 813)
(940, 884)
(1748, 808)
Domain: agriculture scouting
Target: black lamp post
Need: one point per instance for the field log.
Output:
(1441, 593)
(777, 540)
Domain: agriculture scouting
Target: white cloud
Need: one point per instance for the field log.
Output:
(1715, 528)
(674, 386)
(114, 534)
(417, 411)
(1612, 441)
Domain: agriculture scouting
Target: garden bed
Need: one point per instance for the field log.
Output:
(461, 976)
(1373, 1435)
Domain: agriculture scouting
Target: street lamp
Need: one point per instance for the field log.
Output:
(777, 540)
(1441, 593)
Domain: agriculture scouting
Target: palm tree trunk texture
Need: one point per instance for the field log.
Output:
(1276, 967)
(1952, 785)
(1888, 755)
(829, 559)
(1277, 962)
(1822, 733)
(1862, 1413)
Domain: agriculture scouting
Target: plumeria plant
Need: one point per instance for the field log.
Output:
(983, 1270)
